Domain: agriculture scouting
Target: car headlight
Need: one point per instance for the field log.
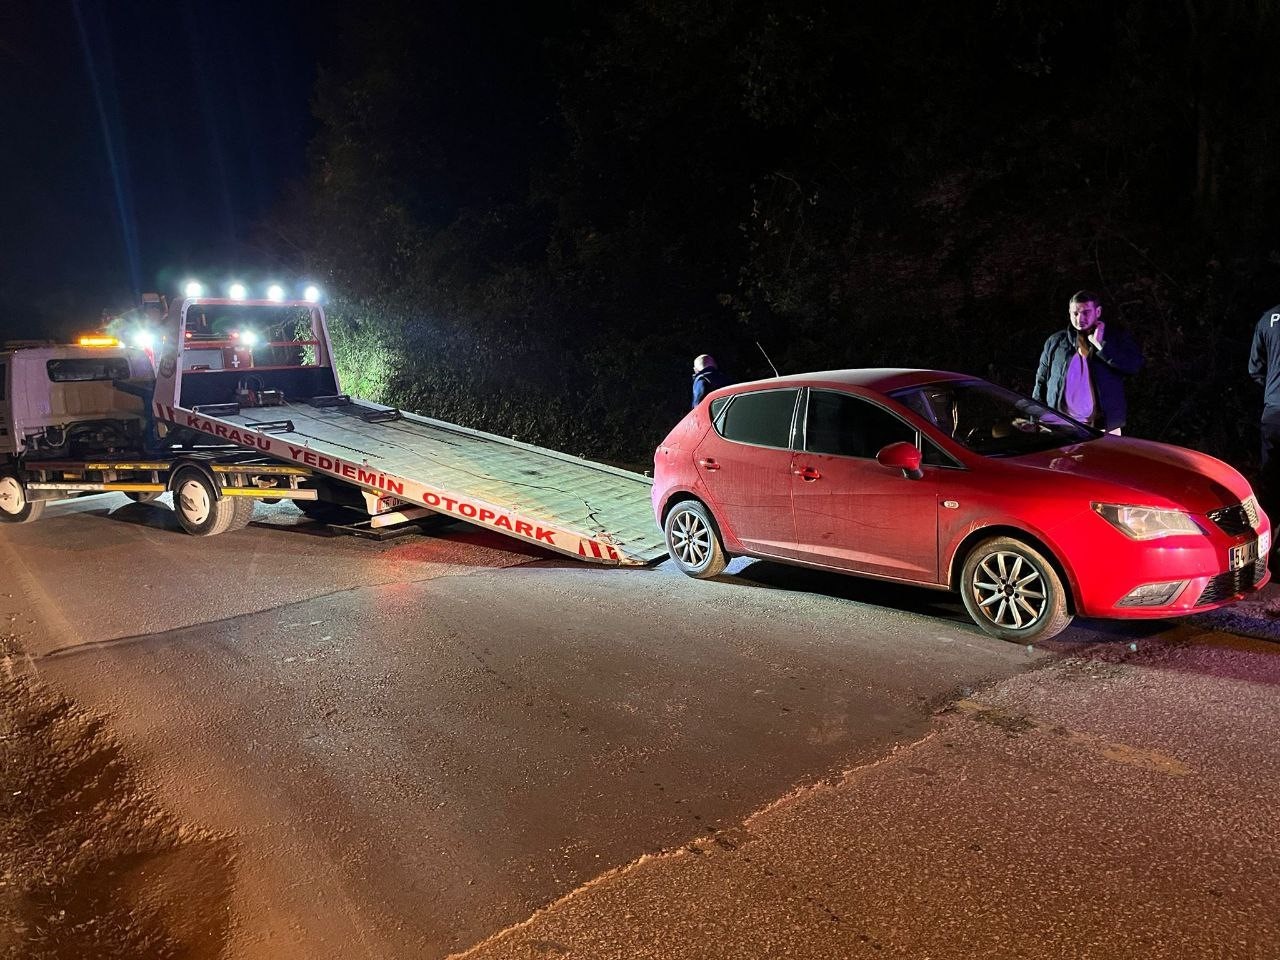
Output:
(1146, 523)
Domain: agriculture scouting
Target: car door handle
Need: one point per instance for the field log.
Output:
(707, 463)
(807, 473)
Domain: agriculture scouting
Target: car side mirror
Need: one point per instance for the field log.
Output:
(902, 456)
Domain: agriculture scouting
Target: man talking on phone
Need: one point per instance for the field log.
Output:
(1083, 368)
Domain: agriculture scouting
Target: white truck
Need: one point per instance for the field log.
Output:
(247, 405)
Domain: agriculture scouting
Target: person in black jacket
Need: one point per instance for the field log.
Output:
(706, 377)
(1264, 368)
(1082, 369)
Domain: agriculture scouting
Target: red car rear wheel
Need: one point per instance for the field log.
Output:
(693, 541)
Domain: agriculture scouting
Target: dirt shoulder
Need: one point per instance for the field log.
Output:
(90, 866)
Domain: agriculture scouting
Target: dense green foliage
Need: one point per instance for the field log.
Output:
(531, 221)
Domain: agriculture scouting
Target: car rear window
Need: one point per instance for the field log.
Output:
(88, 368)
(763, 419)
(848, 426)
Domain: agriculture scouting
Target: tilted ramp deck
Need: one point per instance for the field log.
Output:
(592, 511)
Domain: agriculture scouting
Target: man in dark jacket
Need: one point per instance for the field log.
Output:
(1082, 368)
(706, 377)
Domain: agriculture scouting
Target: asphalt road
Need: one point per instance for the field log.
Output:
(409, 747)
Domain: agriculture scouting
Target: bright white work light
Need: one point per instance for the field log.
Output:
(237, 291)
(311, 294)
(143, 339)
(248, 339)
(193, 288)
(275, 292)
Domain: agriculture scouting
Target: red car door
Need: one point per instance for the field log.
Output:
(744, 464)
(851, 512)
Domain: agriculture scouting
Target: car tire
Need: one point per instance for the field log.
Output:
(200, 511)
(693, 540)
(14, 505)
(1013, 592)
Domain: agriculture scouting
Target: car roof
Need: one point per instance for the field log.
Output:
(880, 379)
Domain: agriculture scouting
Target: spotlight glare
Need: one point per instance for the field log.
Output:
(192, 289)
(275, 292)
(237, 291)
(311, 294)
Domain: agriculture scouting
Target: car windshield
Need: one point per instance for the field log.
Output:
(991, 420)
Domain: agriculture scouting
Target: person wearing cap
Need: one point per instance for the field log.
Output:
(706, 377)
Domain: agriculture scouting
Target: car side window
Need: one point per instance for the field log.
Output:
(848, 426)
(762, 419)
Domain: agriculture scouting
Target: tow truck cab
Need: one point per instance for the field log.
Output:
(67, 401)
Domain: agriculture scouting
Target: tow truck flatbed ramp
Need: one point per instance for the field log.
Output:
(596, 512)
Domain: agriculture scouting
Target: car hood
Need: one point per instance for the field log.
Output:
(1160, 471)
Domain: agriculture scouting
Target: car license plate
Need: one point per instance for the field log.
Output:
(1244, 554)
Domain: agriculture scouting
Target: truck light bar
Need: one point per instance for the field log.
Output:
(93, 340)
(238, 291)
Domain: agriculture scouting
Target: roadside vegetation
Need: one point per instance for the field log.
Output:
(533, 223)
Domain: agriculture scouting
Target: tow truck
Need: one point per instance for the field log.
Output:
(246, 404)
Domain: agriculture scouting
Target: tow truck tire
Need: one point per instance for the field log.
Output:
(199, 510)
(14, 505)
(243, 512)
(142, 496)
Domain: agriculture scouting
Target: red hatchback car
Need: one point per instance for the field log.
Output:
(947, 481)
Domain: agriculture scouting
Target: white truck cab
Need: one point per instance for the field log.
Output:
(64, 401)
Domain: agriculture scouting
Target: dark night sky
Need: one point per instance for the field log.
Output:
(144, 141)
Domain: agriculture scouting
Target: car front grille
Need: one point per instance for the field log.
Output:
(1237, 519)
(1228, 584)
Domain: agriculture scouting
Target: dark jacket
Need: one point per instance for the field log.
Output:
(1264, 362)
(1118, 358)
(706, 381)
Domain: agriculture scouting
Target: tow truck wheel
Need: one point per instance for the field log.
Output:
(199, 510)
(14, 505)
(243, 512)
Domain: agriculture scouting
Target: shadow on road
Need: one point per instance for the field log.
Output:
(1251, 638)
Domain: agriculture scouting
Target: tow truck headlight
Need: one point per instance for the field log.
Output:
(1146, 523)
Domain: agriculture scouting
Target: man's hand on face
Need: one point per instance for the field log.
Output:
(1096, 333)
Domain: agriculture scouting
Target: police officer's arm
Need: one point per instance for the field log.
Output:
(1040, 391)
(1258, 357)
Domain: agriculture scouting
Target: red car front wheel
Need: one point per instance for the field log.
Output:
(1013, 592)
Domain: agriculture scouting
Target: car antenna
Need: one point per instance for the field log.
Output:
(768, 361)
